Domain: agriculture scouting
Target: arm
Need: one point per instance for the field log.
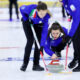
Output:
(74, 27)
(47, 48)
(76, 20)
(72, 31)
(74, 9)
(44, 34)
(44, 31)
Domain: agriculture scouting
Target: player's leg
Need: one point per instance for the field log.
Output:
(36, 65)
(30, 40)
(78, 49)
(10, 10)
(16, 9)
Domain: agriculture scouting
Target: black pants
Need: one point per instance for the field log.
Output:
(76, 44)
(59, 47)
(30, 41)
(11, 3)
(63, 12)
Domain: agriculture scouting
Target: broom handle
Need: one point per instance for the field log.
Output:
(66, 56)
(43, 60)
(67, 50)
(35, 37)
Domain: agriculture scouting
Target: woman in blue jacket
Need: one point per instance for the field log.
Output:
(39, 16)
(73, 8)
(55, 40)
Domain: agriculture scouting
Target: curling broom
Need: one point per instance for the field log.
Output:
(35, 37)
(65, 70)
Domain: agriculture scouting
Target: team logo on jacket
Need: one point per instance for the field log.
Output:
(33, 13)
(40, 22)
(72, 7)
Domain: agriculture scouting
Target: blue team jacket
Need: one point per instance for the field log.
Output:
(73, 8)
(26, 11)
(53, 43)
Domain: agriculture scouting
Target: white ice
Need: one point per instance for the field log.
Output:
(12, 44)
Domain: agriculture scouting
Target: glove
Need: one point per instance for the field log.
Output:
(30, 20)
(58, 54)
(68, 40)
(35, 20)
(41, 50)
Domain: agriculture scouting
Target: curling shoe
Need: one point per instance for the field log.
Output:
(73, 63)
(37, 68)
(77, 69)
(23, 67)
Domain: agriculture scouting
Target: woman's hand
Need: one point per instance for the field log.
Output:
(54, 56)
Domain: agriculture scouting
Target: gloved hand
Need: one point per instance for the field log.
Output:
(30, 20)
(58, 54)
(41, 50)
(35, 20)
(68, 40)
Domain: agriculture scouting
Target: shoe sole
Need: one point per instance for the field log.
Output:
(37, 70)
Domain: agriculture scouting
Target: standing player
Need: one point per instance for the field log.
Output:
(39, 16)
(11, 3)
(73, 8)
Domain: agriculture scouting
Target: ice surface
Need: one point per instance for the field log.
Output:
(12, 44)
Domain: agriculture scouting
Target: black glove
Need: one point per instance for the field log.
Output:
(31, 22)
(58, 54)
(41, 49)
(68, 40)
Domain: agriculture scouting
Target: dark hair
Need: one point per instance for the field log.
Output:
(41, 6)
(56, 26)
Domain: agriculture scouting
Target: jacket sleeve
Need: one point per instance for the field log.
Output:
(44, 34)
(75, 13)
(44, 31)
(26, 10)
(47, 48)
(74, 27)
